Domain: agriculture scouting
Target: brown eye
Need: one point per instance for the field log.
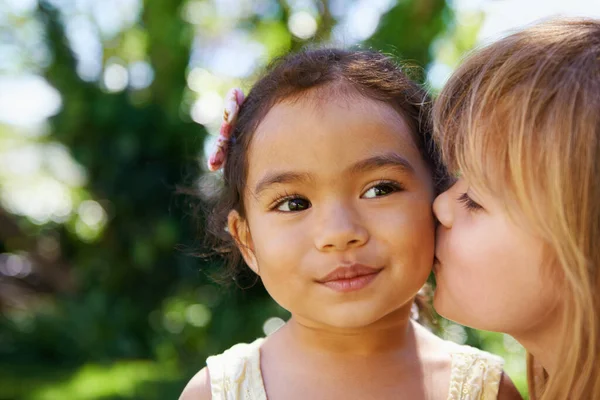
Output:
(382, 189)
(293, 204)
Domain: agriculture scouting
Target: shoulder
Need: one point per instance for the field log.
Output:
(239, 366)
(471, 356)
(473, 373)
(235, 360)
(198, 387)
(454, 354)
(507, 390)
(482, 373)
(469, 362)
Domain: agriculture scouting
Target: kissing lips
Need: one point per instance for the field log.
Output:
(351, 278)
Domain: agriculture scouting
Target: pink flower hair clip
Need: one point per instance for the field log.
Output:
(233, 102)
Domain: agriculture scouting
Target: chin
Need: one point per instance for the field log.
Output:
(353, 321)
(447, 308)
(463, 314)
(355, 317)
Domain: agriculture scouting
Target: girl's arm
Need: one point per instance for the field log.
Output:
(198, 387)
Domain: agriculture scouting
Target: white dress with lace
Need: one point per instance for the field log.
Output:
(235, 374)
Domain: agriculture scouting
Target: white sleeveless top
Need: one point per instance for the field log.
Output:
(235, 374)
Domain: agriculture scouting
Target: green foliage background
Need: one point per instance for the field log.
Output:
(120, 309)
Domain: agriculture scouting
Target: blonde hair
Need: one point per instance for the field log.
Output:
(521, 118)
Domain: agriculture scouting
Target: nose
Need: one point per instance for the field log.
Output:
(340, 229)
(442, 208)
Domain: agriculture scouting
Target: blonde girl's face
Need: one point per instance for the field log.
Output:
(490, 272)
(338, 217)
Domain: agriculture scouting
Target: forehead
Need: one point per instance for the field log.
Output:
(323, 135)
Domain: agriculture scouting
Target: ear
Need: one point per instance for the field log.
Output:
(239, 230)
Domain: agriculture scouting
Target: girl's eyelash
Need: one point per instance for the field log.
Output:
(469, 203)
(395, 184)
(382, 188)
(279, 200)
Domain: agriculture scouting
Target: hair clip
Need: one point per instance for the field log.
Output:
(233, 102)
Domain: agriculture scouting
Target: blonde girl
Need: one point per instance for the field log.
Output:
(518, 247)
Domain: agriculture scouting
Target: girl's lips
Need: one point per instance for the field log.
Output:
(351, 284)
(349, 279)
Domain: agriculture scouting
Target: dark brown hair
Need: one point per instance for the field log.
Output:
(367, 73)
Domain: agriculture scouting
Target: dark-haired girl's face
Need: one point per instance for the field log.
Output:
(338, 211)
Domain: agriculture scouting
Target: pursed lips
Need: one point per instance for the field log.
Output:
(350, 278)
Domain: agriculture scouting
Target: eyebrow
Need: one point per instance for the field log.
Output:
(388, 160)
(281, 178)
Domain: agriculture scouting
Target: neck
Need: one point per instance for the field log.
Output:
(542, 342)
(388, 335)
